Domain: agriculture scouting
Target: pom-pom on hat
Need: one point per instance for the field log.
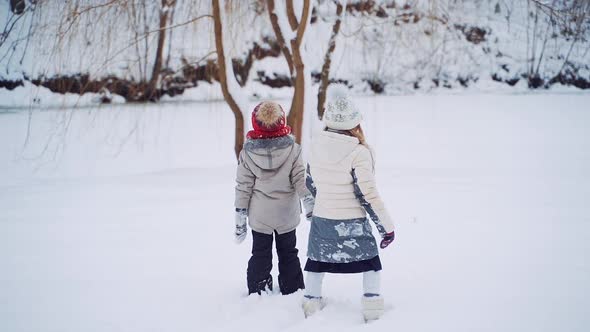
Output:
(341, 113)
(268, 121)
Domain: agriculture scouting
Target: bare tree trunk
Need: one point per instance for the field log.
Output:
(534, 49)
(295, 118)
(294, 60)
(135, 20)
(528, 38)
(151, 92)
(325, 74)
(549, 24)
(146, 44)
(222, 73)
(171, 19)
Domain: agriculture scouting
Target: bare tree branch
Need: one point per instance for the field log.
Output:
(325, 73)
(279, 35)
(291, 15)
(10, 26)
(75, 15)
(90, 8)
(304, 17)
(147, 34)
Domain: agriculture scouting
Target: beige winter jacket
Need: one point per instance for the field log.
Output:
(334, 156)
(270, 181)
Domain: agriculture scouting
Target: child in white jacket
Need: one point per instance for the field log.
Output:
(341, 239)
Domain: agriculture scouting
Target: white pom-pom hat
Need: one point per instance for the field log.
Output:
(341, 113)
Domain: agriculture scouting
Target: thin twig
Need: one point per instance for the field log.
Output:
(146, 35)
(89, 8)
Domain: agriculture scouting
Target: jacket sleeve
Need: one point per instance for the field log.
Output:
(298, 175)
(366, 192)
(244, 183)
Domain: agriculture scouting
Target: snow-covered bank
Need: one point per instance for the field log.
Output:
(31, 96)
(128, 225)
(385, 46)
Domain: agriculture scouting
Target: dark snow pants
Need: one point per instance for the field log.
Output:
(260, 264)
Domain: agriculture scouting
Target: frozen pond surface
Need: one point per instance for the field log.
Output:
(121, 219)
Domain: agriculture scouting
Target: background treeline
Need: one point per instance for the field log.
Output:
(142, 50)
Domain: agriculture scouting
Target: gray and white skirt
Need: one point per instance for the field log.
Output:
(341, 241)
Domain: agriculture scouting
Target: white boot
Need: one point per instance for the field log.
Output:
(312, 305)
(313, 300)
(373, 307)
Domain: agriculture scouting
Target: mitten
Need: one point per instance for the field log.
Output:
(308, 204)
(241, 225)
(387, 239)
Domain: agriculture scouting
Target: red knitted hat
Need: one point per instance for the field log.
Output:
(268, 121)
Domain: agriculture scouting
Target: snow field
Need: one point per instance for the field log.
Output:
(125, 222)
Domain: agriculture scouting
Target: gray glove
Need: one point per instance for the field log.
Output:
(241, 225)
(308, 204)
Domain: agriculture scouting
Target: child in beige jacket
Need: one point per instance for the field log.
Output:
(341, 238)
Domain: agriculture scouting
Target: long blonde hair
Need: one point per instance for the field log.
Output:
(358, 133)
(354, 132)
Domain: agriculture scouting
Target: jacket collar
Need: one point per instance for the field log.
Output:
(336, 135)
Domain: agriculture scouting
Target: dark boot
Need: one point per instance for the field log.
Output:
(290, 274)
(261, 286)
(260, 264)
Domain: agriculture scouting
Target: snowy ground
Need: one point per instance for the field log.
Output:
(124, 221)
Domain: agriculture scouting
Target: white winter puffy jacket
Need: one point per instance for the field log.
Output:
(334, 157)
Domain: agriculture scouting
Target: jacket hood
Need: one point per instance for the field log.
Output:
(269, 153)
(332, 148)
